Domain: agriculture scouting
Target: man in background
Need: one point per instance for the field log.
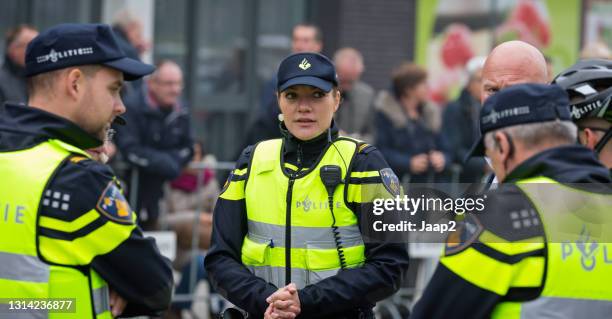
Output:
(129, 30)
(354, 117)
(12, 74)
(157, 143)
(511, 63)
(460, 124)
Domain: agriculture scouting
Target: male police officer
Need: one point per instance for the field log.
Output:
(512, 260)
(589, 86)
(66, 230)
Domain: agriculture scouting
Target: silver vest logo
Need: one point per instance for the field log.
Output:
(308, 204)
(494, 116)
(55, 56)
(589, 249)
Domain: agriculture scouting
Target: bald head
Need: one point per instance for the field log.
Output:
(511, 63)
(349, 66)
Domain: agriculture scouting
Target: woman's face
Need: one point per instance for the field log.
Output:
(420, 91)
(307, 110)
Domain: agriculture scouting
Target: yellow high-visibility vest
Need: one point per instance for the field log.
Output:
(274, 199)
(578, 228)
(23, 273)
(571, 262)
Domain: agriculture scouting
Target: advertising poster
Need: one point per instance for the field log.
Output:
(450, 32)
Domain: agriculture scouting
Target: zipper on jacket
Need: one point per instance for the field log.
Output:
(299, 158)
(288, 216)
(288, 232)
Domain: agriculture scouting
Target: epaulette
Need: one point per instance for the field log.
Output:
(365, 148)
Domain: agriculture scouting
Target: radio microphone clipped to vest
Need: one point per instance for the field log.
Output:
(331, 175)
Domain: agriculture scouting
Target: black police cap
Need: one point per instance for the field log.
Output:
(74, 44)
(521, 104)
(307, 68)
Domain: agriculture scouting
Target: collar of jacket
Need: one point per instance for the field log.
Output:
(13, 68)
(564, 164)
(31, 121)
(312, 147)
(387, 104)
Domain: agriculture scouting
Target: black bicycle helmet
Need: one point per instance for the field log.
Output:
(588, 84)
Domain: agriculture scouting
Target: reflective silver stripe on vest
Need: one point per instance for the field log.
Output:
(301, 277)
(553, 307)
(303, 237)
(23, 268)
(101, 300)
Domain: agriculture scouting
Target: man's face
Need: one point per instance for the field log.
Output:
(495, 79)
(16, 51)
(348, 73)
(499, 73)
(166, 85)
(101, 102)
(510, 63)
(304, 40)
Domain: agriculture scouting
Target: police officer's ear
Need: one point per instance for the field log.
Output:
(588, 138)
(74, 83)
(337, 98)
(502, 145)
(277, 95)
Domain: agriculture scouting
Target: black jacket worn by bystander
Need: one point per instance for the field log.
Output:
(158, 143)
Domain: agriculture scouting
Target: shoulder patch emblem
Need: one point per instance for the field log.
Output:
(467, 232)
(390, 180)
(114, 206)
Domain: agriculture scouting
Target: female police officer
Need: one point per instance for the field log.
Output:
(288, 216)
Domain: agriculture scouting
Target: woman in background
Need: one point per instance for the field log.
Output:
(407, 126)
